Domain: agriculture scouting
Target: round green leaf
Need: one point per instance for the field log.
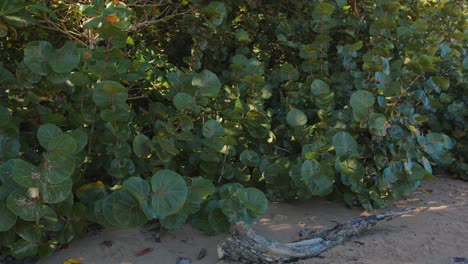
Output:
(417, 173)
(109, 93)
(55, 193)
(142, 145)
(212, 128)
(57, 78)
(138, 187)
(377, 124)
(249, 158)
(61, 146)
(21, 249)
(254, 200)
(59, 170)
(169, 193)
(296, 118)
(174, 221)
(8, 219)
(29, 231)
(65, 59)
(323, 8)
(47, 132)
(81, 139)
(5, 116)
(37, 55)
(10, 147)
(24, 207)
(25, 174)
(344, 144)
(200, 189)
(319, 88)
(362, 101)
(125, 209)
(207, 82)
(183, 101)
(79, 79)
(218, 221)
(217, 11)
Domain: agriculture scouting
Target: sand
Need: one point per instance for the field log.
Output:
(437, 231)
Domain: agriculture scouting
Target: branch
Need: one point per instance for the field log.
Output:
(246, 246)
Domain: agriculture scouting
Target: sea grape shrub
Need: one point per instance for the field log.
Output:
(284, 101)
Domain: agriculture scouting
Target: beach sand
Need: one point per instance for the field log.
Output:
(437, 231)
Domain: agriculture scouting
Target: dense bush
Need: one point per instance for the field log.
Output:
(119, 112)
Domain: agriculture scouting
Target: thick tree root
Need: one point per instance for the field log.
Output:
(248, 247)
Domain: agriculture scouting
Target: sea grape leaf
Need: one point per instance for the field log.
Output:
(201, 188)
(218, 221)
(109, 93)
(344, 144)
(25, 173)
(65, 59)
(183, 101)
(319, 88)
(8, 219)
(417, 173)
(138, 187)
(169, 193)
(126, 210)
(296, 118)
(317, 178)
(323, 8)
(61, 146)
(217, 12)
(362, 102)
(249, 158)
(46, 132)
(207, 82)
(254, 200)
(435, 143)
(58, 170)
(29, 231)
(5, 116)
(377, 124)
(37, 55)
(56, 192)
(142, 145)
(212, 128)
(10, 147)
(22, 249)
(24, 207)
(80, 137)
(91, 192)
(174, 221)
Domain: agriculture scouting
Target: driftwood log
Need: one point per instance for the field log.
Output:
(248, 247)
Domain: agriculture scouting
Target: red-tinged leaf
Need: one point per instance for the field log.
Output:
(144, 252)
(63, 246)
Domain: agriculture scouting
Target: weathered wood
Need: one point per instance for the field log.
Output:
(246, 246)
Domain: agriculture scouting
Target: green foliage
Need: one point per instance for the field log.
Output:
(205, 114)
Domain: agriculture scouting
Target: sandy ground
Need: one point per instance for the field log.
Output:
(437, 231)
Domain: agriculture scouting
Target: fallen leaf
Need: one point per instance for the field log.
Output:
(112, 18)
(73, 261)
(426, 191)
(106, 243)
(144, 252)
(202, 254)
(63, 246)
